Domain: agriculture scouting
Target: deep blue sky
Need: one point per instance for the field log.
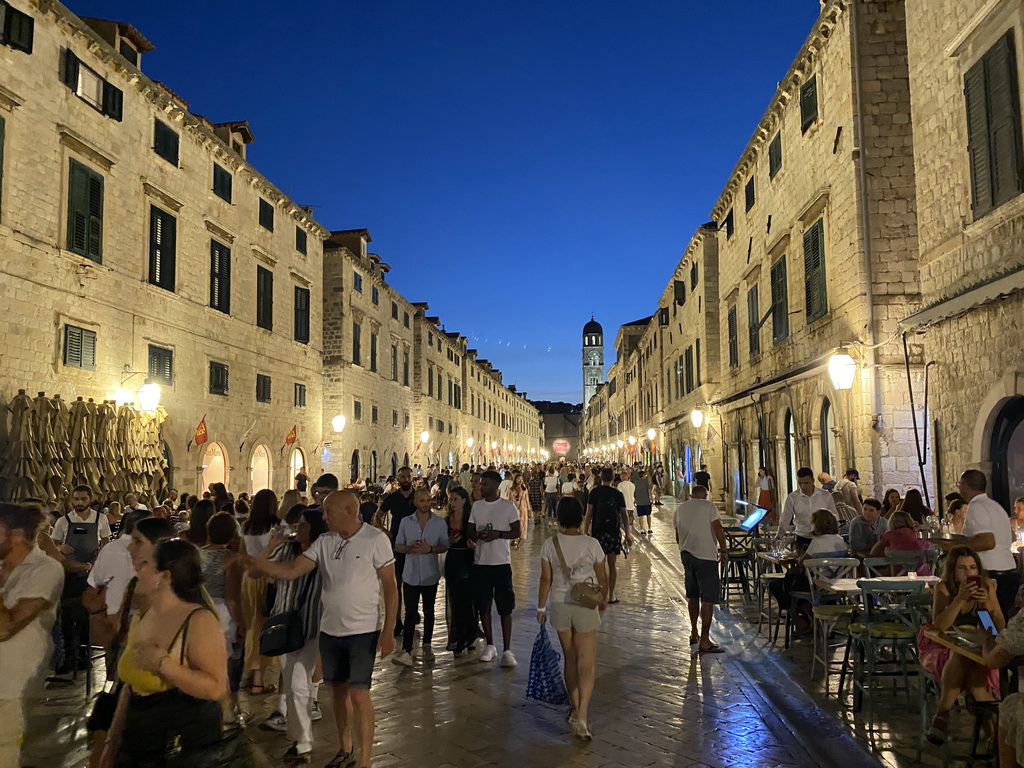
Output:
(520, 164)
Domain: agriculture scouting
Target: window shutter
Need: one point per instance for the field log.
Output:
(85, 211)
(95, 247)
(264, 298)
(693, 276)
(815, 294)
(113, 101)
(780, 301)
(165, 142)
(18, 29)
(696, 359)
(1004, 120)
(753, 319)
(775, 156)
(222, 183)
(734, 354)
(977, 138)
(89, 350)
(69, 70)
(750, 195)
(680, 292)
(300, 240)
(72, 346)
(161, 365)
(162, 237)
(220, 277)
(302, 315)
(808, 104)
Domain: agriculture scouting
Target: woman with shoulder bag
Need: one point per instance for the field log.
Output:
(571, 562)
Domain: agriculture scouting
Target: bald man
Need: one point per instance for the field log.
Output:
(356, 566)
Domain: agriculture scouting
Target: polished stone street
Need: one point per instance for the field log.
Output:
(655, 704)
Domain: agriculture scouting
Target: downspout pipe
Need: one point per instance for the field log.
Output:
(871, 361)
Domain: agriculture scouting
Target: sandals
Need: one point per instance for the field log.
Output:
(342, 760)
(713, 648)
(937, 733)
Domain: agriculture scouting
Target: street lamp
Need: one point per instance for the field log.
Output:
(697, 418)
(632, 439)
(494, 444)
(469, 442)
(619, 443)
(149, 396)
(339, 422)
(652, 433)
(424, 436)
(841, 369)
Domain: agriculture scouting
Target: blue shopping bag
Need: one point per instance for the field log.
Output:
(545, 683)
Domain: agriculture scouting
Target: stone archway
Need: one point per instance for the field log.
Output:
(214, 466)
(260, 469)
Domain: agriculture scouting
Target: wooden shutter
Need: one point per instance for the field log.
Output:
(734, 353)
(750, 194)
(977, 138)
(165, 142)
(18, 28)
(72, 346)
(775, 155)
(221, 183)
(302, 315)
(113, 101)
(753, 321)
(1004, 120)
(162, 247)
(264, 298)
(220, 277)
(815, 293)
(85, 211)
(69, 70)
(356, 351)
(780, 301)
(161, 364)
(266, 215)
(300, 240)
(808, 104)
(696, 359)
(95, 247)
(88, 349)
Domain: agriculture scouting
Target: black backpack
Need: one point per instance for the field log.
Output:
(606, 515)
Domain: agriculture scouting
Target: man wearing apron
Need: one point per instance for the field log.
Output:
(78, 535)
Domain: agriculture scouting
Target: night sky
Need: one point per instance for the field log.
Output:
(520, 165)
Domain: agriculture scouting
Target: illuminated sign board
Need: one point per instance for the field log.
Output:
(560, 446)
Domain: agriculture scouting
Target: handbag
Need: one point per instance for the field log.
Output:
(286, 631)
(545, 682)
(586, 593)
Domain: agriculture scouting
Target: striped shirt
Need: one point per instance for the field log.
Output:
(301, 594)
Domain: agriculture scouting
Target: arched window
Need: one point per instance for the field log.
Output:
(829, 454)
(295, 465)
(1007, 451)
(394, 463)
(214, 465)
(791, 456)
(373, 468)
(260, 469)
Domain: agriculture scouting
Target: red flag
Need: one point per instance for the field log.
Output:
(201, 436)
(292, 436)
(654, 447)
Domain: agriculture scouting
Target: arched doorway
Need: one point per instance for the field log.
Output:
(791, 456)
(214, 466)
(394, 463)
(405, 463)
(295, 465)
(354, 470)
(741, 465)
(1007, 451)
(829, 453)
(259, 468)
(688, 464)
(372, 477)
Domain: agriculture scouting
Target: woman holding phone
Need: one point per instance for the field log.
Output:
(964, 590)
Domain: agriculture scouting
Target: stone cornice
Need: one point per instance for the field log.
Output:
(787, 89)
(9, 100)
(162, 100)
(80, 144)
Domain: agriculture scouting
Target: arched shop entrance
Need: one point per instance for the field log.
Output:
(1007, 452)
(354, 469)
(214, 466)
(295, 464)
(260, 469)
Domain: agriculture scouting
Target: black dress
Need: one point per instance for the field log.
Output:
(458, 567)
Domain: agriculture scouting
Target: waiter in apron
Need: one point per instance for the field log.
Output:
(78, 535)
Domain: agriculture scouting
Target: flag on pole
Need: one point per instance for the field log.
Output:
(654, 447)
(292, 436)
(201, 436)
(711, 433)
(246, 435)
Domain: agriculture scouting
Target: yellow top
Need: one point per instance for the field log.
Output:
(143, 683)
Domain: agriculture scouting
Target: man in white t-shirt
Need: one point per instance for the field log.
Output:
(628, 491)
(356, 567)
(702, 546)
(551, 492)
(505, 486)
(493, 523)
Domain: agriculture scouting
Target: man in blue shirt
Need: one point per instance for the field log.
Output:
(421, 538)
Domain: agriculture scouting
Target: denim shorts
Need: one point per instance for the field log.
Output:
(348, 660)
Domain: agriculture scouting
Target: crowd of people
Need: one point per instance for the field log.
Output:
(196, 598)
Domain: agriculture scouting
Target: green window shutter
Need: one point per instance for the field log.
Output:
(808, 104)
(302, 315)
(113, 101)
(815, 292)
(266, 215)
(753, 321)
(69, 70)
(85, 211)
(218, 379)
(17, 28)
(161, 365)
(72, 346)
(977, 139)
(775, 155)
(264, 298)
(734, 352)
(1004, 120)
(222, 183)
(95, 248)
(780, 301)
(696, 359)
(220, 277)
(162, 245)
(300, 240)
(165, 142)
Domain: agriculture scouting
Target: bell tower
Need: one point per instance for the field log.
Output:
(593, 359)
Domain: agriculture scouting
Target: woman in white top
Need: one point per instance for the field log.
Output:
(256, 534)
(765, 489)
(575, 624)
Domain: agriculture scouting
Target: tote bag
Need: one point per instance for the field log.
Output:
(545, 682)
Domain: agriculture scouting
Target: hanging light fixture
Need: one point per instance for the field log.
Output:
(652, 433)
(339, 422)
(841, 369)
(697, 418)
(632, 439)
(149, 396)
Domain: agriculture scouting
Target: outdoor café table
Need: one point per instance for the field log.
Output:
(849, 586)
(956, 644)
(785, 560)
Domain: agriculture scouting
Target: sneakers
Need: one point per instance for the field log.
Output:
(315, 713)
(427, 653)
(276, 722)
(294, 757)
(403, 657)
(508, 660)
(417, 651)
(490, 653)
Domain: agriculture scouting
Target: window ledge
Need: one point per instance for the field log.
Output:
(264, 256)
(9, 100)
(164, 197)
(83, 146)
(216, 229)
(814, 208)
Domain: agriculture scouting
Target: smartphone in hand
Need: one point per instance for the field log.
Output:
(986, 621)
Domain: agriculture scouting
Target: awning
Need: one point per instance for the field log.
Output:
(994, 289)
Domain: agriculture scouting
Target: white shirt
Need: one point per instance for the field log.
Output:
(826, 543)
(23, 657)
(351, 596)
(568, 487)
(505, 488)
(581, 554)
(114, 568)
(499, 514)
(986, 515)
(693, 527)
(628, 491)
(799, 508)
(550, 484)
(60, 528)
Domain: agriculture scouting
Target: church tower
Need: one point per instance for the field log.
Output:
(593, 359)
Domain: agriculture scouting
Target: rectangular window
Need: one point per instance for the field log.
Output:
(815, 293)
(357, 281)
(300, 240)
(222, 183)
(130, 54)
(430, 381)
(730, 225)
(780, 301)
(694, 274)
(375, 294)
(438, 385)
(264, 298)
(165, 142)
(373, 352)
(407, 420)
(688, 369)
(405, 368)
(808, 103)
(734, 347)
(405, 319)
(302, 315)
(993, 128)
(79, 348)
(85, 212)
(218, 378)
(357, 354)
(87, 85)
(262, 388)
(775, 155)
(16, 28)
(357, 410)
(430, 338)
(374, 414)
(394, 310)
(394, 362)
(220, 277)
(753, 321)
(266, 215)
(750, 199)
(394, 418)
(161, 365)
(300, 396)
(679, 291)
(162, 236)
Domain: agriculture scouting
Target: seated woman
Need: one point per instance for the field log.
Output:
(825, 542)
(964, 590)
(902, 537)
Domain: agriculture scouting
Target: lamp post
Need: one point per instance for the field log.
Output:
(697, 418)
(842, 369)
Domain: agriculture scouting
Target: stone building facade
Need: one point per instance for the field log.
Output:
(965, 84)
(812, 251)
(138, 243)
